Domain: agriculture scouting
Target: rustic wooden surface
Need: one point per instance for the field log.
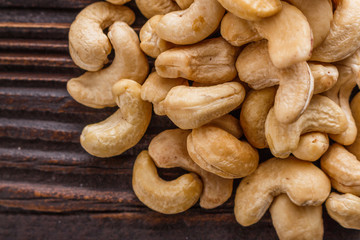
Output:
(50, 188)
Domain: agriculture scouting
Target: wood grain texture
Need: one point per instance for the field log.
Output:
(50, 188)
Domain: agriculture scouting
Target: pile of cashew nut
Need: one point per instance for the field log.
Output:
(289, 68)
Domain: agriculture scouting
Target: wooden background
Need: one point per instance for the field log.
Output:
(50, 188)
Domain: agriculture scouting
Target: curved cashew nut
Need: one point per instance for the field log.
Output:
(298, 44)
(210, 61)
(168, 197)
(124, 128)
(192, 24)
(345, 209)
(303, 182)
(344, 36)
(158, 7)
(155, 89)
(219, 152)
(252, 10)
(325, 76)
(192, 107)
(355, 109)
(118, 2)
(312, 146)
(93, 89)
(168, 150)
(343, 168)
(296, 82)
(322, 115)
(150, 42)
(292, 222)
(88, 45)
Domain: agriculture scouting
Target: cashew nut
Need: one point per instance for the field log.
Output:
(192, 24)
(168, 150)
(343, 168)
(158, 7)
(292, 222)
(93, 89)
(88, 45)
(210, 61)
(289, 35)
(252, 10)
(168, 197)
(184, 4)
(355, 109)
(155, 89)
(322, 115)
(296, 82)
(192, 107)
(303, 182)
(312, 146)
(344, 36)
(345, 209)
(325, 76)
(229, 124)
(150, 42)
(238, 31)
(118, 2)
(219, 152)
(124, 128)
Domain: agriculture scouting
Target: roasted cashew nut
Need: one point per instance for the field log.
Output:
(343, 168)
(93, 89)
(168, 150)
(322, 115)
(345, 209)
(219, 152)
(312, 146)
(118, 2)
(88, 45)
(293, 222)
(191, 25)
(325, 76)
(168, 197)
(157, 7)
(355, 109)
(303, 182)
(124, 128)
(211, 61)
(192, 107)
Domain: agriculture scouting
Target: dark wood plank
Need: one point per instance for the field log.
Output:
(46, 3)
(37, 77)
(34, 45)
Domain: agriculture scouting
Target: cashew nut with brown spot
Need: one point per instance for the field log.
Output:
(312, 146)
(325, 76)
(93, 89)
(343, 168)
(303, 182)
(219, 152)
(168, 150)
(345, 209)
(191, 25)
(293, 222)
(168, 197)
(122, 130)
(210, 61)
(192, 107)
(88, 45)
(157, 7)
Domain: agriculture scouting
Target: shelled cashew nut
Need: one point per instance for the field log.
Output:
(155, 89)
(219, 152)
(150, 42)
(325, 76)
(192, 107)
(192, 24)
(210, 61)
(124, 128)
(168, 197)
(88, 45)
(168, 150)
(157, 7)
(252, 10)
(303, 182)
(228, 123)
(118, 2)
(296, 82)
(238, 31)
(322, 115)
(345, 209)
(355, 109)
(93, 89)
(343, 168)
(184, 4)
(293, 222)
(312, 146)
(344, 36)
(289, 35)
